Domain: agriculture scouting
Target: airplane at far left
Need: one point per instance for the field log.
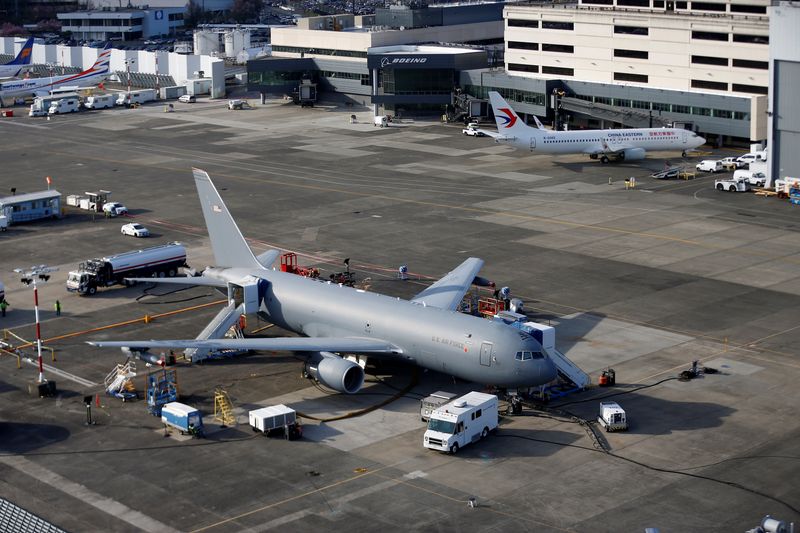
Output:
(13, 68)
(42, 86)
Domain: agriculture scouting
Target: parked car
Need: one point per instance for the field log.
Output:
(135, 229)
(187, 98)
(709, 165)
(114, 209)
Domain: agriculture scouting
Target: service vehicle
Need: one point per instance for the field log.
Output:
(433, 402)
(135, 229)
(64, 105)
(732, 185)
(182, 417)
(383, 121)
(748, 158)
(473, 130)
(464, 420)
(757, 179)
(238, 104)
(114, 209)
(3, 227)
(136, 97)
(731, 161)
(41, 104)
(276, 419)
(709, 165)
(187, 98)
(158, 261)
(612, 417)
(669, 173)
(100, 101)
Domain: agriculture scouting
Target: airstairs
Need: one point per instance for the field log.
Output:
(546, 335)
(216, 329)
(119, 382)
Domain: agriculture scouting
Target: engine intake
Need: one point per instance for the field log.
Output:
(336, 373)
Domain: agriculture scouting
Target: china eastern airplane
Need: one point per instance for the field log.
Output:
(42, 86)
(13, 68)
(607, 145)
(341, 326)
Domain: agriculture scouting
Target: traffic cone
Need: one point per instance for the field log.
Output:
(97, 400)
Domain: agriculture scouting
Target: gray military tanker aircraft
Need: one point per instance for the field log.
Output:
(343, 325)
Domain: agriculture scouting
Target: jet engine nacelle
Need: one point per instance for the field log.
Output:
(336, 373)
(632, 154)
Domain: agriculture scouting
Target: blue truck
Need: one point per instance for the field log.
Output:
(184, 418)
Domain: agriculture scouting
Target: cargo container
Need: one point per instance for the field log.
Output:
(276, 419)
(182, 417)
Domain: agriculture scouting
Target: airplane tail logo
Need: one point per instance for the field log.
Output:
(103, 61)
(24, 56)
(508, 117)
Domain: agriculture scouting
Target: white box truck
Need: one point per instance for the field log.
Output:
(158, 261)
(433, 402)
(461, 422)
(612, 417)
(136, 97)
(182, 417)
(276, 419)
(64, 105)
(100, 101)
(41, 104)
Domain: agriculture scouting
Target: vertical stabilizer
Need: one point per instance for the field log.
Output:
(24, 55)
(230, 248)
(508, 122)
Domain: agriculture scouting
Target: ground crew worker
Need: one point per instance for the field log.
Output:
(58, 308)
(3, 307)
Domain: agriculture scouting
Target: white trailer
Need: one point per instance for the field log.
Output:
(158, 261)
(136, 97)
(276, 419)
(101, 101)
(64, 105)
(461, 422)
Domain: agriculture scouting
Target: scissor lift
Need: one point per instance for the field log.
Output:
(162, 388)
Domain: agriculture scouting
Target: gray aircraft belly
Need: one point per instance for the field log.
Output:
(433, 338)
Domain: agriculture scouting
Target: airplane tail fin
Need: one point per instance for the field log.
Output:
(508, 122)
(230, 248)
(101, 66)
(24, 55)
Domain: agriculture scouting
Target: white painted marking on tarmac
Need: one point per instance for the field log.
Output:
(66, 375)
(416, 474)
(76, 490)
(336, 502)
(37, 126)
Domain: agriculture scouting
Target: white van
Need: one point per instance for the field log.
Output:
(709, 165)
(65, 105)
(461, 422)
(101, 101)
(757, 179)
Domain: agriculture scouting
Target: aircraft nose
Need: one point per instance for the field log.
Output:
(701, 141)
(547, 371)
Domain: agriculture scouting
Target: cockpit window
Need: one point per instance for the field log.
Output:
(519, 356)
(528, 356)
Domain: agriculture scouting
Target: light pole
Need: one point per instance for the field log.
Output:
(128, 63)
(40, 272)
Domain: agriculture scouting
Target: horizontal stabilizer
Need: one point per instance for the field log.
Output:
(192, 280)
(356, 345)
(448, 292)
(268, 257)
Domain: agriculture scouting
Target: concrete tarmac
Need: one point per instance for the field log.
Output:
(643, 280)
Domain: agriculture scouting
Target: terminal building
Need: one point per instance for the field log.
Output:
(784, 107)
(585, 63)
(31, 206)
(125, 24)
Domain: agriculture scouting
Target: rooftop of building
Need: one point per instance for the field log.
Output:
(411, 49)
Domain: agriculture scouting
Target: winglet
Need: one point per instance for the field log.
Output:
(230, 248)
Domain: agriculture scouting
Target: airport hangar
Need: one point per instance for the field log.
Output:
(340, 54)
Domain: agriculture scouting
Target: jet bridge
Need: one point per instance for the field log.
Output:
(627, 116)
(243, 298)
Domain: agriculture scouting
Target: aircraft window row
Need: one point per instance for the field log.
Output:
(477, 414)
(527, 356)
(571, 140)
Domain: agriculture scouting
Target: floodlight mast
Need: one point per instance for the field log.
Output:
(40, 272)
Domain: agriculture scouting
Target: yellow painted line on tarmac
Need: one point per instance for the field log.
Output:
(465, 208)
(143, 319)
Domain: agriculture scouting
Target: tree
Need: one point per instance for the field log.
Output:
(246, 10)
(194, 14)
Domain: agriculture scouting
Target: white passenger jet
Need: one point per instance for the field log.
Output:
(607, 145)
(13, 68)
(42, 86)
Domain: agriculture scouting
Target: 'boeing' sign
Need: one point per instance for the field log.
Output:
(390, 61)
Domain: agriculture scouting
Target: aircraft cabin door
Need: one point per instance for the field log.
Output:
(533, 144)
(684, 137)
(486, 354)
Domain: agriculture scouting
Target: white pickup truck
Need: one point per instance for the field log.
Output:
(732, 184)
(473, 130)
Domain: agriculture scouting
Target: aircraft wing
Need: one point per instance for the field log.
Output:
(448, 291)
(492, 134)
(191, 280)
(358, 345)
